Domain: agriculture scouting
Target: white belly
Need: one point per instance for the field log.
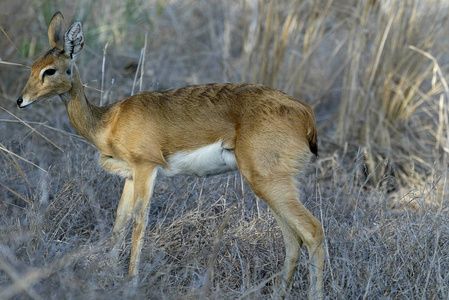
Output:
(208, 160)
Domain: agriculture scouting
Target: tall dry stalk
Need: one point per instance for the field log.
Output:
(278, 39)
(391, 95)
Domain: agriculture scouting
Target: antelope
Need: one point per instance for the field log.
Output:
(196, 130)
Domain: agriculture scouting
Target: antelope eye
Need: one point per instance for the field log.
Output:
(49, 72)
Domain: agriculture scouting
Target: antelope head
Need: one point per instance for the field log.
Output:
(51, 74)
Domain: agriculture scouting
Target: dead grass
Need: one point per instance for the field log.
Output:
(375, 72)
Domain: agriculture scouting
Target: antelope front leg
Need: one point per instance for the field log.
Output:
(144, 179)
(124, 213)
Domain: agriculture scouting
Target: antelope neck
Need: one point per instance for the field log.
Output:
(84, 116)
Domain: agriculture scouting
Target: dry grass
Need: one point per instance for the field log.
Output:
(375, 72)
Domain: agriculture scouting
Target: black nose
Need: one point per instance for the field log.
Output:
(19, 101)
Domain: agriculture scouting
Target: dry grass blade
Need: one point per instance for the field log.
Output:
(103, 65)
(213, 255)
(259, 286)
(140, 66)
(15, 193)
(436, 65)
(12, 64)
(378, 55)
(25, 281)
(21, 282)
(4, 32)
(67, 187)
(16, 166)
(40, 124)
(33, 129)
(21, 158)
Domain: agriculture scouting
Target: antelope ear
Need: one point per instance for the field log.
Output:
(56, 31)
(74, 39)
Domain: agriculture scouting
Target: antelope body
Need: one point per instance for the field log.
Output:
(197, 130)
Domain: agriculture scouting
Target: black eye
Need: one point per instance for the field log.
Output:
(49, 72)
(69, 71)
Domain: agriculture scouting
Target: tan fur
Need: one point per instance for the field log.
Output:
(270, 134)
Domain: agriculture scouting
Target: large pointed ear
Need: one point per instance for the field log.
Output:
(74, 39)
(56, 31)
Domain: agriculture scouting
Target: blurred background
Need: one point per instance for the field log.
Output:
(375, 72)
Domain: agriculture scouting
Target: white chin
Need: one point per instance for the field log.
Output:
(26, 106)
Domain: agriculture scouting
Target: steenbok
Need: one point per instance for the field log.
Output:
(199, 130)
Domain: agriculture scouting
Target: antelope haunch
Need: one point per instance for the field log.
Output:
(198, 130)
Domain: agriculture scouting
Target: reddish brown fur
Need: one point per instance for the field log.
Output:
(270, 134)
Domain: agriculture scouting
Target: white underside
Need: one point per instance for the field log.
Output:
(208, 160)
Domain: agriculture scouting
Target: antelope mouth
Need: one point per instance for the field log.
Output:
(26, 107)
(22, 104)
